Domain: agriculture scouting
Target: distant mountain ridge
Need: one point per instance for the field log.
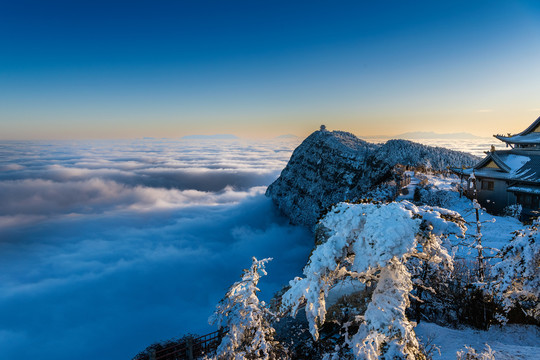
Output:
(426, 135)
(212, 137)
(287, 137)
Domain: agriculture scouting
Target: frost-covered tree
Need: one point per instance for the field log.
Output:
(248, 321)
(513, 210)
(478, 242)
(372, 243)
(431, 271)
(470, 354)
(427, 165)
(517, 275)
(385, 329)
(469, 293)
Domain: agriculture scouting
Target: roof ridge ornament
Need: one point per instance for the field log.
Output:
(528, 138)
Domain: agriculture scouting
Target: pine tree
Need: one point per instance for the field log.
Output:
(246, 320)
(517, 275)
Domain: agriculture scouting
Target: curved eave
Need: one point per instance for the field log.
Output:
(530, 129)
(505, 139)
(513, 140)
(525, 189)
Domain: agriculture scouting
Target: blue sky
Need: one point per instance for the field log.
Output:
(104, 69)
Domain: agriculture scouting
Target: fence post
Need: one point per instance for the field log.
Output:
(190, 348)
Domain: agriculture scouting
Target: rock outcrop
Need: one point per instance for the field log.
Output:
(333, 166)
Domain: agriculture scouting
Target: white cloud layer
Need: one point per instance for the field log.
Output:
(103, 251)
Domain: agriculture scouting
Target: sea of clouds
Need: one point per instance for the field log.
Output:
(108, 246)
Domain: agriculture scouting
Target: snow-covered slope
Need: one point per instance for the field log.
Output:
(511, 342)
(333, 166)
(406, 152)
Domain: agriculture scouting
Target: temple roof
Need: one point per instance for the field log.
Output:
(532, 138)
(508, 165)
(530, 135)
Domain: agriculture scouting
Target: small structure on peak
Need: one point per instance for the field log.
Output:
(508, 177)
(323, 127)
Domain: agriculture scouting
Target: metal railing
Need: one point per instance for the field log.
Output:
(189, 349)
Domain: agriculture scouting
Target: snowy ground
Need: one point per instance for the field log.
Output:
(511, 342)
(496, 230)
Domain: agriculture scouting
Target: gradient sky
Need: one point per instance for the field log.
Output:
(113, 69)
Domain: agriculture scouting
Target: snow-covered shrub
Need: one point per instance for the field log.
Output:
(372, 243)
(427, 166)
(435, 190)
(433, 197)
(470, 354)
(250, 334)
(517, 275)
(513, 211)
(382, 192)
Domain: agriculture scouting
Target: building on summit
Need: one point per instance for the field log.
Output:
(508, 177)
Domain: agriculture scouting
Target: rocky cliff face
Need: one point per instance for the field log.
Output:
(333, 166)
(326, 168)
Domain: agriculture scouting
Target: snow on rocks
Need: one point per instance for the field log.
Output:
(376, 233)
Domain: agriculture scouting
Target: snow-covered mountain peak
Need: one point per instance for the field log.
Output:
(333, 166)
